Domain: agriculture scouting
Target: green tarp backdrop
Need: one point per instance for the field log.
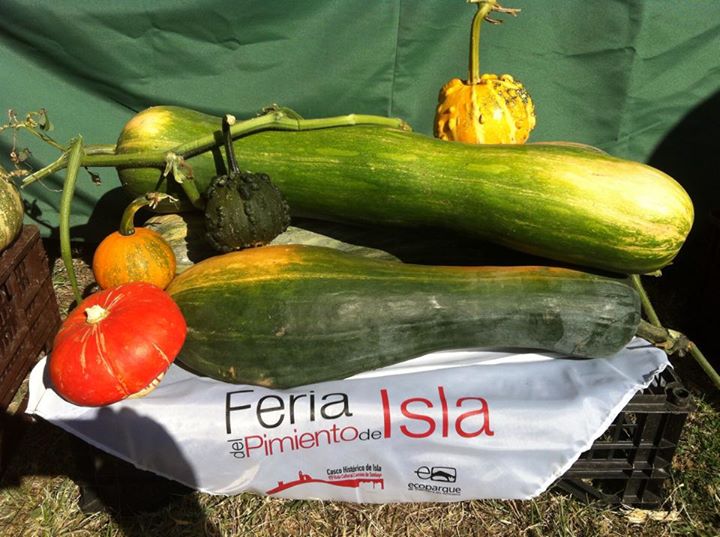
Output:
(637, 78)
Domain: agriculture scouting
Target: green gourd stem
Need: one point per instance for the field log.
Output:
(100, 149)
(280, 121)
(61, 162)
(474, 69)
(51, 168)
(229, 151)
(692, 348)
(101, 156)
(193, 194)
(73, 165)
(127, 226)
(175, 163)
(645, 300)
(704, 364)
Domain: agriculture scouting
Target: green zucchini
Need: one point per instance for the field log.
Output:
(557, 201)
(284, 316)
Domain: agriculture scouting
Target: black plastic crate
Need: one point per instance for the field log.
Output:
(630, 463)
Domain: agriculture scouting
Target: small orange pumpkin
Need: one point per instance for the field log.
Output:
(487, 109)
(134, 254)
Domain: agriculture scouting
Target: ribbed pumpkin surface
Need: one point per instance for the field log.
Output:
(141, 257)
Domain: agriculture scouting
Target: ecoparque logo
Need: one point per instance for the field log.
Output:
(438, 474)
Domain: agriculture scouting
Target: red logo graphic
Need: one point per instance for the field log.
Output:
(304, 479)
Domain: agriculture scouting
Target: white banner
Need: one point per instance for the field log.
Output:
(448, 426)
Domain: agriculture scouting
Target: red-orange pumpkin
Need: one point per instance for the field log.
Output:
(117, 343)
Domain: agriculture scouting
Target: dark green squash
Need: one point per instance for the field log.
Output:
(284, 316)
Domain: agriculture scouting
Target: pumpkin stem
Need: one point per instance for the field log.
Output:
(95, 314)
(127, 226)
(150, 199)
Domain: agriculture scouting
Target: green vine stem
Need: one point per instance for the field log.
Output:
(100, 149)
(276, 120)
(484, 8)
(45, 171)
(670, 340)
(704, 364)
(73, 165)
(77, 156)
(181, 172)
(645, 301)
(193, 194)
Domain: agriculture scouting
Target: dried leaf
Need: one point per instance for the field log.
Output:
(641, 516)
(43, 121)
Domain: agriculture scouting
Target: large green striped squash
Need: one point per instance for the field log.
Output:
(561, 202)
(289, 315)
(11, 213)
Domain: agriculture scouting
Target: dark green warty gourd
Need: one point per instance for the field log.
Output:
(243, 209)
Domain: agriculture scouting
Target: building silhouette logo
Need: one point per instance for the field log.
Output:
(305, 479)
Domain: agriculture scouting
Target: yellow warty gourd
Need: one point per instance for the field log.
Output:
(485, 109)
(495, 110)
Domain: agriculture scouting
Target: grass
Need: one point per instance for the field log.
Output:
(40, 493)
